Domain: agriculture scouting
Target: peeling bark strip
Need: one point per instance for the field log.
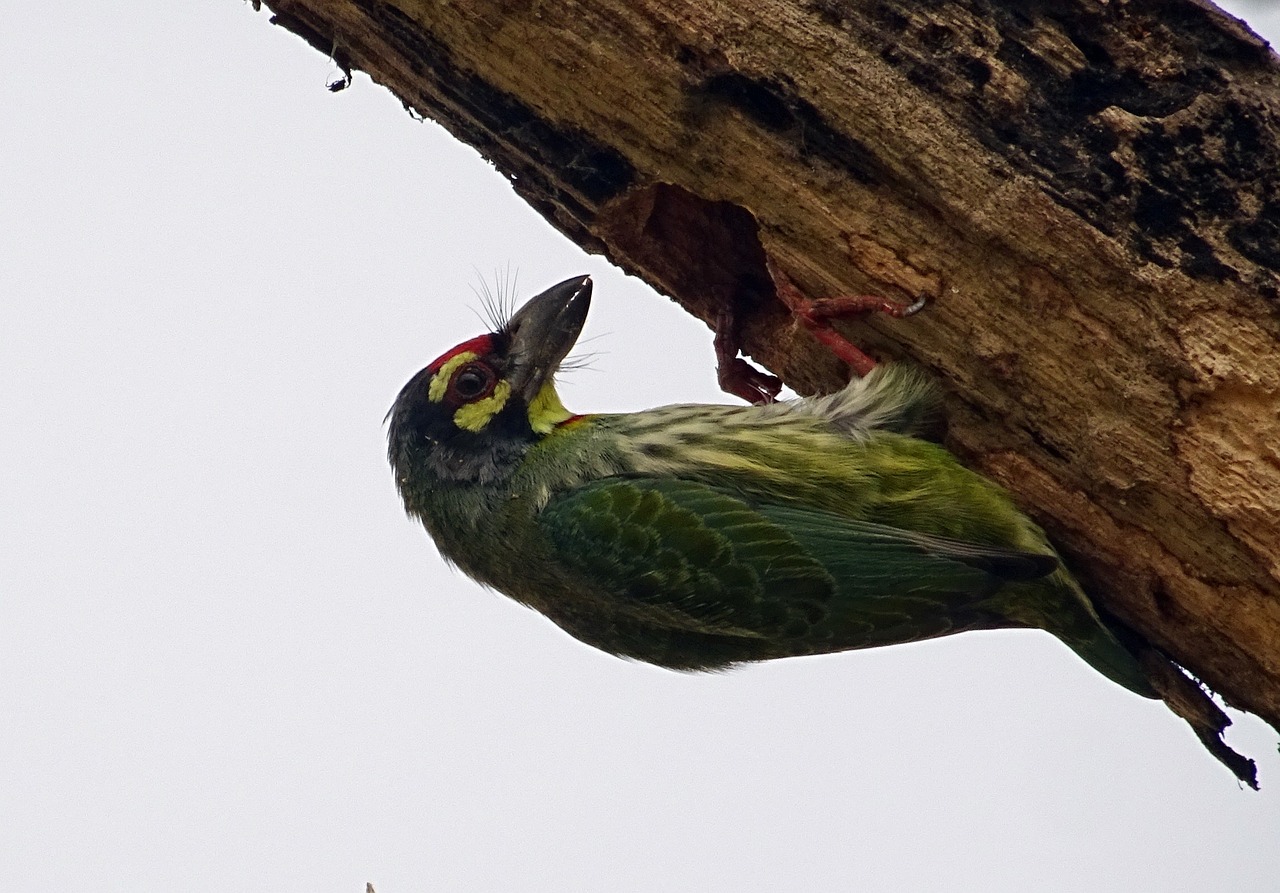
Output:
(1088, 192)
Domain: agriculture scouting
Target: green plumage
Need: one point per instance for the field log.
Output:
(696, 537)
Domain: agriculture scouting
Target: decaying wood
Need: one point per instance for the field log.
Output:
(1088, 192)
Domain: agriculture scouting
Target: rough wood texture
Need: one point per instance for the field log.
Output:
(1087, 191)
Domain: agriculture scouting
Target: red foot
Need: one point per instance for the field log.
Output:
(816, 316)
(736, 375)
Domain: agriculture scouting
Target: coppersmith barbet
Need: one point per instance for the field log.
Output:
(700, 536)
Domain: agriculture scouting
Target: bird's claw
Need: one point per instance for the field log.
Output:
(817, 315)
(819, 310)
(735, 375)
(740, 378)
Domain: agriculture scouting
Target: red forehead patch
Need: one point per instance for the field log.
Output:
(480, 346)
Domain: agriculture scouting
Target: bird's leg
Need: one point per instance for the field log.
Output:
(817, 314)
(740, 378)
(736, 375)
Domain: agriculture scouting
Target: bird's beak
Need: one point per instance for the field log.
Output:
(543, 332)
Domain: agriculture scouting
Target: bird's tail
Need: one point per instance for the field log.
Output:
(1137, 665)
(1059, 606)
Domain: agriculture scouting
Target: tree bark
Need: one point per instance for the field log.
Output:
(1087, 192)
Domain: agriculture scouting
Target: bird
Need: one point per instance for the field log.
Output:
(698, 537)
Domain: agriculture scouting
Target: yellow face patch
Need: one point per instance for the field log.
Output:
(440, 382)
(474, 416)
(546, 411)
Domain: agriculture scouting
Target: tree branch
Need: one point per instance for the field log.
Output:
(1088, 193)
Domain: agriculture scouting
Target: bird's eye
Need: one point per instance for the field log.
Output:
(472, 382)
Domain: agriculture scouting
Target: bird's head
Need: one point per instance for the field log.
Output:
(472, 413)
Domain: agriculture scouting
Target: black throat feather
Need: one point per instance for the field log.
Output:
(426, 447)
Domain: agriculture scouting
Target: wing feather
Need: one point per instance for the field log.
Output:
(693, 556)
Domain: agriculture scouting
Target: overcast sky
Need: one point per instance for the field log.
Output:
(228, 662)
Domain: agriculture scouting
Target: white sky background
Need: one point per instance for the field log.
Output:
(228, 661)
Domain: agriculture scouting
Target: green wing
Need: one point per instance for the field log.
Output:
(686, 555)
